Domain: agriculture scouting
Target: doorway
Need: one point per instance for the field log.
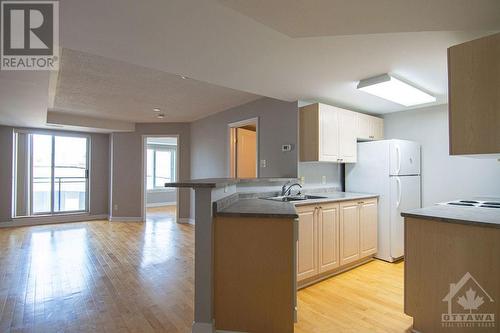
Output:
(244, 148)
(161, 165)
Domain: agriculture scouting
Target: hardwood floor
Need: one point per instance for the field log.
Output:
(138, 277)
(368, 298)
(97, 277)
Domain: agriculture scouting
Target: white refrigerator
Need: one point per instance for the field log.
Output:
(391, 169)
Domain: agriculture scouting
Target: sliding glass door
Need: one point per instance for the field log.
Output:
(56, 167)
(70, 174)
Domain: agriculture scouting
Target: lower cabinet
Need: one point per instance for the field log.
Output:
(333, 235)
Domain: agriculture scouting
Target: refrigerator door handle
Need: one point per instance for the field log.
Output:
(398, 181)
(398, 155)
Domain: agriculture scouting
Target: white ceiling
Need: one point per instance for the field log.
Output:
(90, 85)
(306, 18)
(247, 46)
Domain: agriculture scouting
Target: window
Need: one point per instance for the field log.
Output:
(51, 173)
(160, 166)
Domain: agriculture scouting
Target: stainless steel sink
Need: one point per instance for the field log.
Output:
(294, 197)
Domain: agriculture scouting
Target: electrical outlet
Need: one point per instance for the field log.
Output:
(323, 180)
(263, 163)
(302, 180)
(226, 188)
(115, 206)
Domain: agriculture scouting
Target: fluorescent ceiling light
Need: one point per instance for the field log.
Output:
(394, 90)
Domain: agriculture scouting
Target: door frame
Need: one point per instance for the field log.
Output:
(231, 127)
(144, 173)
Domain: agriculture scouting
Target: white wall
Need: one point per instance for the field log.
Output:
(313, 173)
(444, 177)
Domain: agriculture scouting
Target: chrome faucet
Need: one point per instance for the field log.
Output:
(285, 190)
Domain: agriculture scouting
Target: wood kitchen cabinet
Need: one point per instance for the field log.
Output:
(334, 237)
(349, 232)
(474, 96)
(368, 227)
(327, 134)
(307, 251)
(328, 237)
(369, 127)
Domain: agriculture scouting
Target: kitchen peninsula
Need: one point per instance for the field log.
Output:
(246, 248)
(452, 268)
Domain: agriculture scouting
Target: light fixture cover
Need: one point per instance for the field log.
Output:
(395, 90)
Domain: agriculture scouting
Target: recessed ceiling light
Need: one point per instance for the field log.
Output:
(160, 116)
(395, 90)
(156, 110)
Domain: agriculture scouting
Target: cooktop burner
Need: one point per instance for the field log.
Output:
(473, 203)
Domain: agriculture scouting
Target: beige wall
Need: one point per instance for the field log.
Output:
(277, 125)
(126, 167)
(99, 173)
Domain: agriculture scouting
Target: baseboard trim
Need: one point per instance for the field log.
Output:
(160, 204)
(203, 327)
(125, 219)
(54, 219)
(185, 220)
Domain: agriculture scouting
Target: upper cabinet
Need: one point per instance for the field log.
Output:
(474, 96)
(329, 133)
(369, 127)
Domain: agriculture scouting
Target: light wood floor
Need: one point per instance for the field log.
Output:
(138, 277)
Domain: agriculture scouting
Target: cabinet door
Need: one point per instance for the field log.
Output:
(363, 126)
(307, 255)
(349, 232)
(368, 227)
(347, 136)
(474, 96)
(328, 221)
(377, 125)
(328, 134)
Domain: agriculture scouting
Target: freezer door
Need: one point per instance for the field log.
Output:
(405, 195)
(404, 158)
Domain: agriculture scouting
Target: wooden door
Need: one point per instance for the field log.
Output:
(349, 232)
(246, 153)
(329, 135)
(347, 136)
(328, 235)
(307, 249)
(368, 227)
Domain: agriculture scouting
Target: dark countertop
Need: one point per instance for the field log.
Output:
(485, 217)
(220, 182)
(257, 207)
